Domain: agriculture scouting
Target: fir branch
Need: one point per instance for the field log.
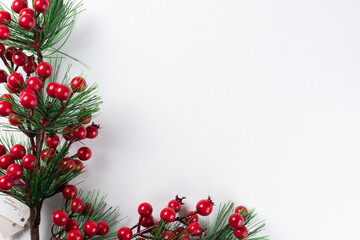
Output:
(97, 211)
(53, 30)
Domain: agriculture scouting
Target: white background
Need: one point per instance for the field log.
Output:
(251, 101)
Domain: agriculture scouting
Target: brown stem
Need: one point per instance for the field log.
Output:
(35, 222)
(39, 143)
(40, 56)
(28, 117)
(7, 64)
(221, 233)
(139, 225)
(144, 231)
(18, 41)
(63, 106)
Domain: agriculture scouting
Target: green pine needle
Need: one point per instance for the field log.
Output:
(101, 212)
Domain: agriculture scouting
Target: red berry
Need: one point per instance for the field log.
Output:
(15, 119)
(6, 97)
(204, 207)
(28, 101)
(15, 80)
(90, 228)
(41, 6)
(62, 92)
(236, 220)
(84, 153)
(103, 228)
(242, 210)
(124, 233)
(47, 154)
(27, 22)
(68, 132)
(6, 183)
(74, 235)
(52, 141)
(2, 150)
(30, 67)
(92, 131)
(51, 89)
(71, 225)
(168, 235)
(79, 165)
(11, 89)
(6, 160)
(3, 76)
(145, 209)
(5, 108)
(4, 32)
(15, 171)
(69, 192)
(2, 49)
(60, 218)
(27, 11)
(67, 164)
(77, 205)
(78, 84)
(10, 52)
(194, 229)
(34, 83)
(147, 221)
(5, 17)
(85, 119)
(44, 70)
(20, 59)
(28, 161)
(80, 133)
(175, 205)
(241, 232)
(168, 215)
(18, 151)
(27, 91)
(193, 218)
(18, 5)
(88, 209)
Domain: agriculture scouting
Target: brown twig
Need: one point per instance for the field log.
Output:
(18, 41)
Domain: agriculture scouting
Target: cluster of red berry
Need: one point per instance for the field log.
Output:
(71, 227)
(52, 141)
(190, 221)
(28, 100)
(28, 92)
(15, 168)
(236, 221)
(27, 17)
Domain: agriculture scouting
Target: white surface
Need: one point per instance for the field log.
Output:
(251, 101)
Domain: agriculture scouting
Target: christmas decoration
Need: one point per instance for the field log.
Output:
(230, 223)
(53, 113)
(74, 221)
(40, 104)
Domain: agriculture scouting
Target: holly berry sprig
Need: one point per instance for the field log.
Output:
(65, 220)
(26, 21)
(18, 159)
(187, 224)
(25, 82)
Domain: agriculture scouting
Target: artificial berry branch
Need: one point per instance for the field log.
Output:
(39, 106)
(240, 223)
(54, 114)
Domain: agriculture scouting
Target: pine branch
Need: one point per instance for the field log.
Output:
(190, 226)
(51, 36)
(97, 211)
